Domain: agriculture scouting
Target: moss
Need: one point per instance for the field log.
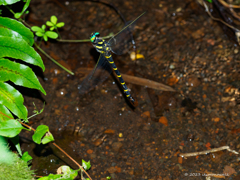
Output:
(17, 170)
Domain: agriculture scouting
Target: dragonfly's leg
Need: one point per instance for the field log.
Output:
(128, 95)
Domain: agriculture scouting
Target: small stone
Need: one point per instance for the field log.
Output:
(172, 66)
(61, 92)
(229, 170)
(194, 82)
(116, 146)
(163, 120)
(235, 51)
(198, 34)
(146, 114)
(112, 170)
(147, 127)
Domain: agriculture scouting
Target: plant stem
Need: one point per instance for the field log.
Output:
(83, 40)
(42, 51)
(58, 33)
(40, 41)
(10, 10)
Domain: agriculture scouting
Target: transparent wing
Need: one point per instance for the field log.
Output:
(98, 75)
(121, 41)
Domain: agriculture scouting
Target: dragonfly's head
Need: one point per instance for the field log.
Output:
(94, 36)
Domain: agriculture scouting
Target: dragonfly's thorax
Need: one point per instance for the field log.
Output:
(101, 46)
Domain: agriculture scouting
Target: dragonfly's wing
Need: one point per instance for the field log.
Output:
(121, 41)
(98, 75)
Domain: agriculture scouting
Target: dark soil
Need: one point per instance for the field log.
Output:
(183, 48)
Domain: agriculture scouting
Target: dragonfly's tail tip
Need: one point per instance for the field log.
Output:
(133, 101)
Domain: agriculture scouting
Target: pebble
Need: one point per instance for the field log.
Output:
(116, 146)
(194, 82)
(61, 92)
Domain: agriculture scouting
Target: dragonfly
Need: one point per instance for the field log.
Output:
(117, 44)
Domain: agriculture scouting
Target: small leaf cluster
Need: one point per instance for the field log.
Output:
(41, 31)
(42, 135)
(54, 24)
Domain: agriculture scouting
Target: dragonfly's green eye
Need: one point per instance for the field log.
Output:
(93, 36)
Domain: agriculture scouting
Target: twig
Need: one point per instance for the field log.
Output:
(228, 5)
(208, 151)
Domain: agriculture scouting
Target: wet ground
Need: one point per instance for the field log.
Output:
(183, 48)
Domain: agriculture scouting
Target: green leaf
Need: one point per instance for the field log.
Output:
(49, 23)
(68, 172)
(15, 141)
(48, 138)
(44, 27)
(18, 15)
(39, 133)
(86, 165)
(19, 74)
(13, 100)
(52, 35)
(8, 2)
(37, 29)
(52, 28)
(26, 157)
(45, 37)
(12, 28)
(52, 177)
(54, 19)
(19, 49)
(10, 128)
(39, 34)
(5, 111)
(61, 24)
(108, 177)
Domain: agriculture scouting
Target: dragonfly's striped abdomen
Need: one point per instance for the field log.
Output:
(110, 60)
